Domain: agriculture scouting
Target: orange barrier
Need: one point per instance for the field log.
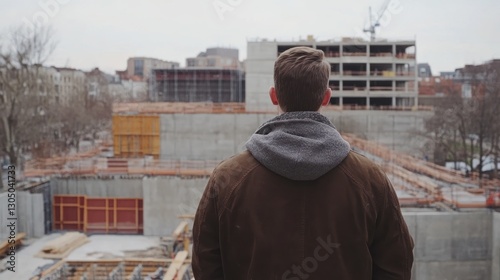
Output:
(408, 162)
(153, 108)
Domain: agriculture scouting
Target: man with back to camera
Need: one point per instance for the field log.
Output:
(299, 204)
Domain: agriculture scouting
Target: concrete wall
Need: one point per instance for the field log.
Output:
(4, 214)
(495, 263)
(167, 198)
(451, 246)
(29, 212)
(396, 130)
(259, 68)
(120, 188)
(31, 215)
(206, 136)
(218, 136)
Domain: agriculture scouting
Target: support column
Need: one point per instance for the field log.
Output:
(394, 101)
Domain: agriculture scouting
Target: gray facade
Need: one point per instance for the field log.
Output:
(379, 73)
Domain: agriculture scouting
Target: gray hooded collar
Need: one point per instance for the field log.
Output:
(298, 145)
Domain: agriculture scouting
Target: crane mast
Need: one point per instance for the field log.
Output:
(376, 23)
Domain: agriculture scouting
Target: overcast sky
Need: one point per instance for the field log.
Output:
(92, 33)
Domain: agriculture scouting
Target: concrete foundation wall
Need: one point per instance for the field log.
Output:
(219, 136)
(495, 263)
(4, 215)
(452, 245)
(206, 136)
(120, 188)
(29, 213)
(395, 130)
(167, 198)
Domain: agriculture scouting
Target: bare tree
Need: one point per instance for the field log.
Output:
(22, 53)
(465, 127)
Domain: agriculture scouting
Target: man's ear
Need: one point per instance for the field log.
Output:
(273, 96)
(328, 95)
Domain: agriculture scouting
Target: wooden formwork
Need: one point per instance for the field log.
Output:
(136, 135)
(98, 215)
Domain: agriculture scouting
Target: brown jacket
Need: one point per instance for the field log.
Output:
(253, 223)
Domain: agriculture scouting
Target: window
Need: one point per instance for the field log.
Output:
(139, 67)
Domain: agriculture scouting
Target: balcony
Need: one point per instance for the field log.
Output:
(406, 56)
(355, 73)
(405, 74)
(332, 54)
(356, 54)
(388, 54)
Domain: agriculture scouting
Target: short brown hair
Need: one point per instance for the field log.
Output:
(301, 78)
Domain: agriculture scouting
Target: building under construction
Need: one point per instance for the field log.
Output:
(375, 74)
(193, 84)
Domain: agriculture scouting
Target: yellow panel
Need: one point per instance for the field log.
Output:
(136, 135)
(388, 73)
(116, 145)
(124, 144)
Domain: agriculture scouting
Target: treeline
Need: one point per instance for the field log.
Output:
(466, 123)
(32, 122)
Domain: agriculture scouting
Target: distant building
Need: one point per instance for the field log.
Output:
(379, 73)
(424, 70)
(101, 83)
(128, 90)
(142, 66)
(72, 81)
(447, 75)
(473, 77)
(438, 86)
(197, 85)
(60, 83)
(226, 58)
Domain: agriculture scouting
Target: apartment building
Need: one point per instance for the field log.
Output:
(226, 58)
(58, 84)
(364, 73)
(142, 66)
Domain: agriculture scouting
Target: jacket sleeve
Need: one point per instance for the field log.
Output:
(206, 256)
(392, 246)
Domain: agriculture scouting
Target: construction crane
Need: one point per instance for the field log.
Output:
(376, 23)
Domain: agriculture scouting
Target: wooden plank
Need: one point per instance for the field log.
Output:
(4, 246)
(62, 246)
(176, 265)
(186, 216)
(180, 228)
(182, 272)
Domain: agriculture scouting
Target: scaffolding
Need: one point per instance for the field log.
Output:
(215, 85)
